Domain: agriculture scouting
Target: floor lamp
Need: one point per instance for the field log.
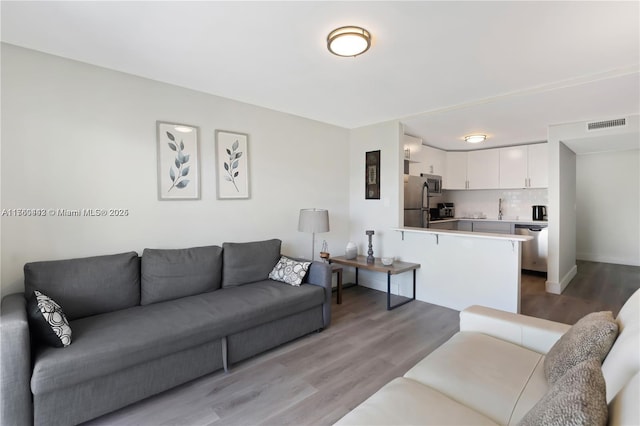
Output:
(314, 221)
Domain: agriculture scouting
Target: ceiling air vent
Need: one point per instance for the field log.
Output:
(595, 125)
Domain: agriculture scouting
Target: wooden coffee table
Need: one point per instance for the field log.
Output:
(398, 267)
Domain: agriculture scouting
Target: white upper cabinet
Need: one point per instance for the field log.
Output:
(412, 147)
(483, 169)
(524, 166)
(513, 167)
(434, 160)
(417, 164)
(538, 165)
(455, 176)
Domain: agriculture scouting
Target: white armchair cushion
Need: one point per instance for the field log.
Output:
(482, 372)
(405, 402)
(532, 333)
(624, 409)
(623, 360)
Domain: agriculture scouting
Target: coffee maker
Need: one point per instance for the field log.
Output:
(446, 210)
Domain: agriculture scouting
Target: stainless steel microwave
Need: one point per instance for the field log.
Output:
(434, 182)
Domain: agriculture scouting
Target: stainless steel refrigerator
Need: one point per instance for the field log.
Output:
(416, 201)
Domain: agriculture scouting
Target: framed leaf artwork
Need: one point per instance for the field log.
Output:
(178, 161)
(232, 165)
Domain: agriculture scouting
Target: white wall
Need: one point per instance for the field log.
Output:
(567, 219)
(563, 196)
(608, 207)
(379, 215)
(77, 136)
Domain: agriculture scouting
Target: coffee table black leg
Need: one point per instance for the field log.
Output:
(389, 291)
(414, 284)
(389, 307)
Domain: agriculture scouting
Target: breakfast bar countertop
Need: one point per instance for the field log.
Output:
(467, 234)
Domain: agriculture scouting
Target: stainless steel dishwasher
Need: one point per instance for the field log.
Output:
(534, 252)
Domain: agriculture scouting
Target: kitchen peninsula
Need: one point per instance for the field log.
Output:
(461, 268)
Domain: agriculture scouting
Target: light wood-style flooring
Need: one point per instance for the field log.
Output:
(596, 287)
(317, 379)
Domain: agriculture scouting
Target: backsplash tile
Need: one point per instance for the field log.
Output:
(516, 203)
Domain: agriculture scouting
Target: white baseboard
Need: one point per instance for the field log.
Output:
(558, 288)
(594, 257)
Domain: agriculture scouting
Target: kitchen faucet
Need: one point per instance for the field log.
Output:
(499, 208)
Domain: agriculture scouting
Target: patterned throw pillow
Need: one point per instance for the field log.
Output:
(578, 398)
(591, 337)
(289, 271)
(48, 321)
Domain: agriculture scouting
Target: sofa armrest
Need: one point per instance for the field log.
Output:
(320, 275)
(15, 362)
(532, 333)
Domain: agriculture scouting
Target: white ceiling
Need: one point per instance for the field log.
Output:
(590, 145)
(446, 69)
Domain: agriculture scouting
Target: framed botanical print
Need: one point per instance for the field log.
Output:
(178, 161)
(232, 165)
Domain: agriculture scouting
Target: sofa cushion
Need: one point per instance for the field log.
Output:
(289, 271)
(248, 262)
(405, 402)
(534, 390)
(623, 360)
(171, 274)
(623, 409)
(87, 286)
(590, 337)
(47, 321)
(480, 371)
(110, 342)
(578, 397)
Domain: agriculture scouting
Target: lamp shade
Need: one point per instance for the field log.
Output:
(313, 220)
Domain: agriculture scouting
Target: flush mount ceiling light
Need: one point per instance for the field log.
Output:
(348, 41)
(475, 138)
(183, 129)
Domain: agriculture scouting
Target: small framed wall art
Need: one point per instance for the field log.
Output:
(372, 175)
(232, 165)
(178, 161)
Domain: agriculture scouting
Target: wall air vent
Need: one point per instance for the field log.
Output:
(596, 125)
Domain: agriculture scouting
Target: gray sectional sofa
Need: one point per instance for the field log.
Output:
(142, 325)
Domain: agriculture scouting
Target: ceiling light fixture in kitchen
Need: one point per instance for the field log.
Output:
(475, 138)
(348, 41)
